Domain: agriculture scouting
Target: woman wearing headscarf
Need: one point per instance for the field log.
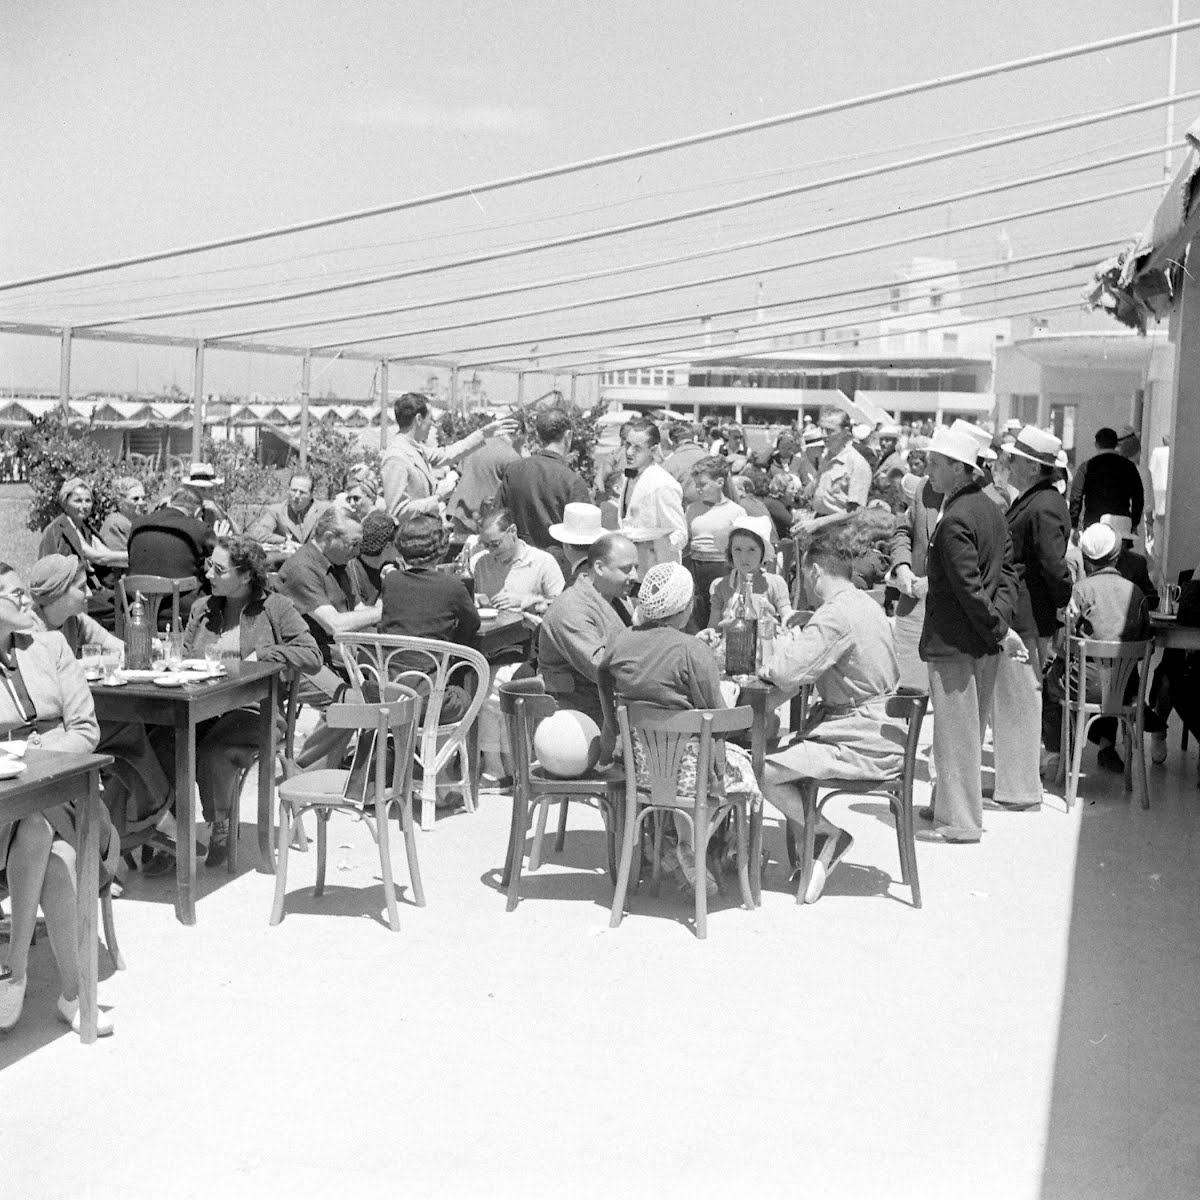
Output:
(72, 532)
(656, 662)
(137, 791)
(44, 699)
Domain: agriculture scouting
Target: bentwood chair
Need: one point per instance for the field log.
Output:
(663, 736)
(1110, 665)
(429, 667)
(524, 705)
(154, 589)
(385, 730)
(909, 706)
(106, 916)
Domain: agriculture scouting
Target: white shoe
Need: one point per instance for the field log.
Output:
(816, 885)
(12, 1000)
(1158, 748)
(68, 1012)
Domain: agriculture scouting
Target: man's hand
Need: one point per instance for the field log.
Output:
(1014, 647)
(446, 485)
(905, 580)
(511, 601)
(502, 427)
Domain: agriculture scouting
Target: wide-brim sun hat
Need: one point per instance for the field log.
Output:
(1036, 445)
(956, 445)
(958, 425)
(1099, 542)
(581, 525)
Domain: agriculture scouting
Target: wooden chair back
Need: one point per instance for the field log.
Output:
(366, 780)
(154, 590)
(524, 705)
(1112, 665)
(910, 706)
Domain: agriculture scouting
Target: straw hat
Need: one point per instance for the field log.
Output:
(958, 425)
(203, 475)
(889, 431)
(1037, 445)
(580, 525)
(955, 444)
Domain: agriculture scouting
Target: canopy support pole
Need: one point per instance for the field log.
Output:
(574, 387)
(520, 389)
(64, 373)
(383, 405)
(305, 387)
(452, 398)
(198, 403)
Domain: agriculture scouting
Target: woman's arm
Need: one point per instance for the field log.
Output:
(192, 632)
(80, 732)
(296, 647)
(94, 634)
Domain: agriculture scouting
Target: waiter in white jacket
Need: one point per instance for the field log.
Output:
(650, 498)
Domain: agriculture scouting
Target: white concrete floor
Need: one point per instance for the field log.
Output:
(1032, 1031)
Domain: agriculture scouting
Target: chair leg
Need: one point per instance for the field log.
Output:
(322, 849)
(301, 835)
(700, 891)
(468, 759)
(1127, 746)
(612, 810)
(535, 855)
(410, 850)
(235, 813)
(110, 930)
(743, 849)
(283, 837)
(907, 842)
(1079, 739)
(428, 800)
(516, 847)
(756, 841)
(631, 830)
(561, 841)
(660, 820)
(385, 865)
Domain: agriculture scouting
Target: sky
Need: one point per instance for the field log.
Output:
(140, 126)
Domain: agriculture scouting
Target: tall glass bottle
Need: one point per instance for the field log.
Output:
(741, 635)
(138, 656)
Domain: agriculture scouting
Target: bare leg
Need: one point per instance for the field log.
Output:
(58, 903)
(27, 859)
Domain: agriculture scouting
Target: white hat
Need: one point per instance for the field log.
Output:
(958, 425)
(759, 526)
(1012, 425)
(987, 454)
(814, 435)
(203, 475)
(953, 443)
(580, 526)
(1037, 445)
(667, 589)
(889, 431)
(1121, 526)
(861, 432)
(1061, 461)
(1098, 542)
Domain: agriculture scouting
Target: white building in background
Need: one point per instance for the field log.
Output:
(894, 364)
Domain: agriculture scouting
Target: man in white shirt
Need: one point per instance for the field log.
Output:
(649, 497)
(843, 475)
(511, 574)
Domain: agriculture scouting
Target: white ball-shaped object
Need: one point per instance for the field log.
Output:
(567, 744)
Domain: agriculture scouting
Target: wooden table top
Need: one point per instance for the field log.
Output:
(45, 769)
(234, 677)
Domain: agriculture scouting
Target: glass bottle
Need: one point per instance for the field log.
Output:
(138, 655)
(741, 636)
(767, 627)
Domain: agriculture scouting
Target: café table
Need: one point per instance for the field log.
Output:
(54, 777)
(144, 702)
(506, 630)
(1170, 635)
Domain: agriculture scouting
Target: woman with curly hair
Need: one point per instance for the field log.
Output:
(845, 651)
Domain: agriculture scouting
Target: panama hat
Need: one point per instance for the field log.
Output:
(203, 475)
(1037, 445)
(955, 444)
(580, 526)
(958, 425)
(889, 431)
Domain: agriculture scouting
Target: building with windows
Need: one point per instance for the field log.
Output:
(897, 364)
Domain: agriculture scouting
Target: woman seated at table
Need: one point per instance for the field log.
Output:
(137, 791)
(72, 532)
(421, 601)
(656, 662)
(131, 502)
(362, 494)
(846, 652)
(44, 699)
(745, 555)
(243, 622)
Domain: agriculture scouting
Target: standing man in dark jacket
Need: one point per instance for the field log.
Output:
(1107, 483)
(536, 490)
(972, 592)
(1039, 526)
(910, 553)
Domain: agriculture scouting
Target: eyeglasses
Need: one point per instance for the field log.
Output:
(213, 567)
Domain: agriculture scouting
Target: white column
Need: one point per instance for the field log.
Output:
(64, 374)
(305, 388)
(383, 405)
(1182, 535)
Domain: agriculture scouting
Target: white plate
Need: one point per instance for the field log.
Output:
(10, 768)
(172, 680)
(195, 664)
(117, 682)
(486, 614)
(129, 676)
(16, 749)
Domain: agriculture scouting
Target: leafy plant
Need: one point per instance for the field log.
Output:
(331, 454)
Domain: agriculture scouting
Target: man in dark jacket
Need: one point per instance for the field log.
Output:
(910, 551)
(537, 489)
(972, 593)
(173, 542)
(1039, 526)
(1107, 483)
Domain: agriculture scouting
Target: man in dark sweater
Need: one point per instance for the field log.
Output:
(972, 592)
(1107, 483)
(537, 489)
(173, 542)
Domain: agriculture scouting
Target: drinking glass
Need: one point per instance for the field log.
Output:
(174, 654)
(212, 658)
(111, 660)
(158, 654)
(90, 656)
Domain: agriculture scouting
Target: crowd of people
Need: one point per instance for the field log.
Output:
(953, 559)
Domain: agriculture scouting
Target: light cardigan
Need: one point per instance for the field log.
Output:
(66, 717)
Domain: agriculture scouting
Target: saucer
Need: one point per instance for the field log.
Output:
(10, 768)
(173, 680)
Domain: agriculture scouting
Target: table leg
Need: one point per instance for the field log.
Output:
(266, 776)
(87, 892)
(185, 816)
(757, 699)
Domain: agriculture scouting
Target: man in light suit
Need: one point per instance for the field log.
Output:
(650, 498)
